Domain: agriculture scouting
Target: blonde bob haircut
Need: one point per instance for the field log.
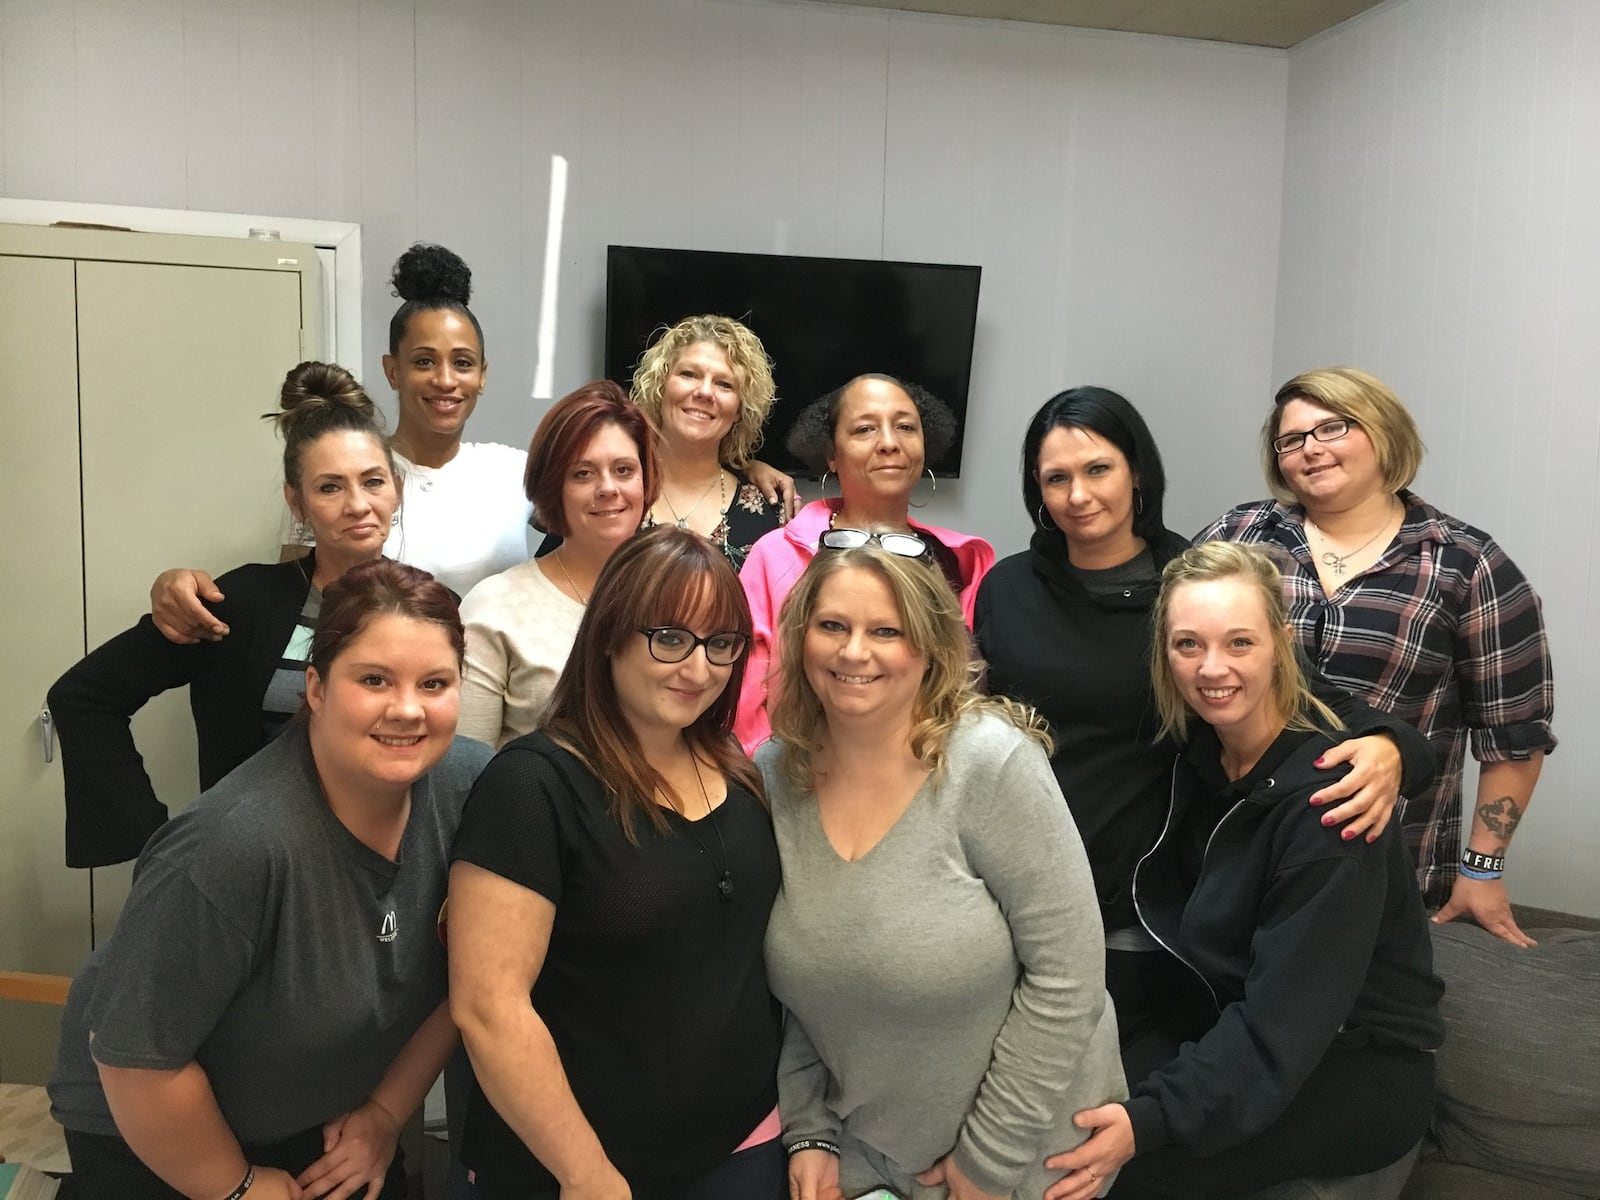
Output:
(752, 372)
(1252, 565)
(1358, 397)
(930, 618)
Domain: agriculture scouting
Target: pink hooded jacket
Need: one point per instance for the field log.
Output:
(775, 563)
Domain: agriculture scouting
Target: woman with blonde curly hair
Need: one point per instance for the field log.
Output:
(936, 938)
(706, 385)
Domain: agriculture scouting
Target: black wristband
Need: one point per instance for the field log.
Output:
(795, 1147)
(1483, 862)
(244, 1184)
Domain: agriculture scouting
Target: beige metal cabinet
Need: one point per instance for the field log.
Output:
(136, 370)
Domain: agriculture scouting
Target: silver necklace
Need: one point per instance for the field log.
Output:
(720, 483)
(1336, 562)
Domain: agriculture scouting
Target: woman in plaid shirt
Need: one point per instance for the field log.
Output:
(1416, 612)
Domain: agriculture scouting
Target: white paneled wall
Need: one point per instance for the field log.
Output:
(1121, 192)
(1441, 184)
(1435, 165)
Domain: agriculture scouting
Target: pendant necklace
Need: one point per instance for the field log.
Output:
(1336, 562)
(576, 591)
(720, 483)
(724, 878)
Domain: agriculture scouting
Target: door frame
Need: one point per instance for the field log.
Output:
(338, 242)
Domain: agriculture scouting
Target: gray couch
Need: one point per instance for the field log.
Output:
(1518, 1115)
(1519, 1075)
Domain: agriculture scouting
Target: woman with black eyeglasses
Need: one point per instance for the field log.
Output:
(877, 435)
(1414, 611)
(610, 890)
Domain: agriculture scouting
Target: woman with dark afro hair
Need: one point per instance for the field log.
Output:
(878, 435)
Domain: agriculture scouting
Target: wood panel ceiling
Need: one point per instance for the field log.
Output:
(1279, 23)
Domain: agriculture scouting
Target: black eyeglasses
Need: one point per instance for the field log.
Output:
(673, 644)
(1327, 431)
(906, 545)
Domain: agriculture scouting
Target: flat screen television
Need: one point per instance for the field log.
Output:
(823, 322)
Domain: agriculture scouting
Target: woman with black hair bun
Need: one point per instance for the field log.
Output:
(465, 516)
(339, 479)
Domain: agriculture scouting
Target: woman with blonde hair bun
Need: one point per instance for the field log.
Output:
(936, 939)
(1299, 1041)
(339, 478)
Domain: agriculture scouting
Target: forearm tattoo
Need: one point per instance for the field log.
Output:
(1500, 816)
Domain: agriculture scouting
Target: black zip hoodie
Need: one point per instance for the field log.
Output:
(1083, 661)
(1300, 936)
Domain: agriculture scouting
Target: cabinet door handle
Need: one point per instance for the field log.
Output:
(47, 734)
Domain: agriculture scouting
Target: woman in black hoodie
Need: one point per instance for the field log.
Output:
(1304, 1045)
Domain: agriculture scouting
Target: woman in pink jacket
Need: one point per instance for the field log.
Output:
(876, 434)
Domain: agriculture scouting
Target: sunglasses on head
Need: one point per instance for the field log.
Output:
(906, 545)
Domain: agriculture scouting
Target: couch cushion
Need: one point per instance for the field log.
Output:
(1519, 1074)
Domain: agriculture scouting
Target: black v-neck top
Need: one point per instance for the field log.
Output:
(654, 987)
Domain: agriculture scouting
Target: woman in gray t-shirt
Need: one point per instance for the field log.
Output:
(271, 1007)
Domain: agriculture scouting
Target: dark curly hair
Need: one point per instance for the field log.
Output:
(811, 439)
(428, 278)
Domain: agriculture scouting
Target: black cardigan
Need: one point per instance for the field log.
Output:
(111, 806)
(1083, 661)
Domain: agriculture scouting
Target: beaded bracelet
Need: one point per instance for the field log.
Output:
(794, 1148)
(1472, 873)
(244, 1184)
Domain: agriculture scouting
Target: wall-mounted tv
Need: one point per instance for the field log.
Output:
(823, 321)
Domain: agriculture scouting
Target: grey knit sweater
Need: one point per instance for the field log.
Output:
(946, 990)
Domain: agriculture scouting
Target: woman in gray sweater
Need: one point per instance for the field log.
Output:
(936, 939)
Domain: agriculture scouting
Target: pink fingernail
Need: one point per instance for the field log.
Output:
(1348, 834)
(1327, 819)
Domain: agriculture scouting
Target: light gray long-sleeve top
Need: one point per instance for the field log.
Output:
(947, 989)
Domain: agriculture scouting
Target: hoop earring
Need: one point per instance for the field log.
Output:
(822, 487)
(931, 479)
(1138, 503)
(1045, 523)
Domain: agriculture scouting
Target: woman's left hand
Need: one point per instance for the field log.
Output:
(1110, 1144)
(1369, 792)
(777, 487)
(946, 1171)
(357, 1149)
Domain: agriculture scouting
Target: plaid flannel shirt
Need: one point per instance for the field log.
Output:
(1444, 631)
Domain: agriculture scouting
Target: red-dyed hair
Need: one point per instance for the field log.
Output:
(562, 436)
(372, 589)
